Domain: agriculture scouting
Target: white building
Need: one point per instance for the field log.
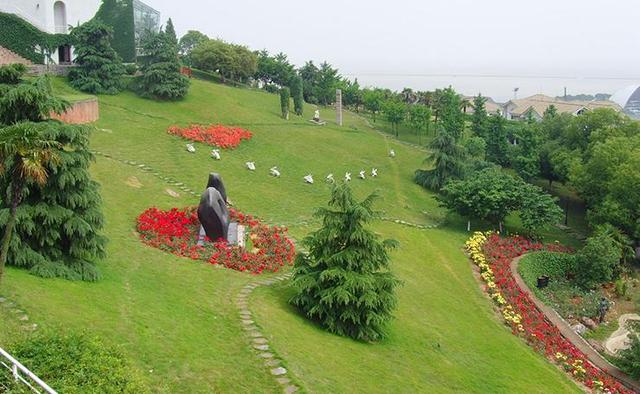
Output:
(53, 16)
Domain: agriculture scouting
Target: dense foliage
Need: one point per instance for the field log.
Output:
(395, 111)
(598, 261)
(492, 195)
(448, 160)
(77, 363)
(274, 69)
(234, 62)
(100, 69)
(119, 15)
(161, 78)
(23, 39)
(187, 43)
(629, 359)
(343, 281)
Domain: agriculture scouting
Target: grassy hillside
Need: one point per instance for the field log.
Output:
(175, 318)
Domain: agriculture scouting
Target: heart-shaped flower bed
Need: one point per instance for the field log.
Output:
(223, 137)
(176, 231)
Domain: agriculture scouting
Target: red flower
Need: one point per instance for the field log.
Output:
(176, 231)
(215, 135)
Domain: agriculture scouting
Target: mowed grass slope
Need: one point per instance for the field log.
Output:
(175, 318)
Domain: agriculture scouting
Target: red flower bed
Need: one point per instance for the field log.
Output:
(215, 135)
(493, 255)
(176, 231)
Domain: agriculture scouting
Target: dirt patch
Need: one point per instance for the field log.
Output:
(134, 182)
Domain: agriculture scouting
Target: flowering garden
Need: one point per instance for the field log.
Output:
(493, 255)
(220, 136)
(176, 231)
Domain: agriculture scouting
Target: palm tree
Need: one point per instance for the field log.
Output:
(25, 155)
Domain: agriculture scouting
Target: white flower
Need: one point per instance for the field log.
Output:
(308, 179)
(251, 165)
(191, 148)
(274, 172)
(347, 177)
(374, 172)
(361, 175)
(216, 154)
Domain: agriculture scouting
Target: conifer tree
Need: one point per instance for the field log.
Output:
(496, 138)
(100, 68)
(343, 282)
(448, 160)
(57, 223)
(479, 117)
(161, 78)
(285, 95)
(56, 233)
(298, 95)
(170, 30)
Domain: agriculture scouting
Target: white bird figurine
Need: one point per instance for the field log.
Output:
(274, 172)
(309, 179)
(392, 153)
(330, 178)
(251, 165)
(216, 154)
(191, 148)
(361, 175)
(374, 172)
(347, 177)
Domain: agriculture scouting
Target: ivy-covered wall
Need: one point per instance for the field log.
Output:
(119, 15)
(22, 38)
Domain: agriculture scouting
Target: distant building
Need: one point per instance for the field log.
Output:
(54, 17)
(535, 106)
(129, 19)
(490, 106)
(629, 99)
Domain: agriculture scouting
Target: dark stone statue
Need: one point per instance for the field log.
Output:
(215, 181)
(212, 212)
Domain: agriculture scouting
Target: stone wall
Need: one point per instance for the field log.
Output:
(51, 69)
(81, 112)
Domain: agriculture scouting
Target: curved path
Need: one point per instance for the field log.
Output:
(566, 331)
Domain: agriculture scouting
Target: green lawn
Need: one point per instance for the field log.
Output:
(175, 318)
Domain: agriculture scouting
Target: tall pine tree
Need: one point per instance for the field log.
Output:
(343, 282)
(161, 78)
(496, 138)
(298, 95)
(479, 117)
(58, 224)
(448, 160)
(100, 68)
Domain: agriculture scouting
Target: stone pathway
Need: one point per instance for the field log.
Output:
(619, 340)
(565, 329)
(19, 314)
(257, 340)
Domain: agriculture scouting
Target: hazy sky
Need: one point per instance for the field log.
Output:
(405, 42)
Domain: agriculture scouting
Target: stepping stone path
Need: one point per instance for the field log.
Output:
(258, 341)
(21, 315)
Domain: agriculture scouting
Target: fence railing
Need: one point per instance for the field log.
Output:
(22, 375)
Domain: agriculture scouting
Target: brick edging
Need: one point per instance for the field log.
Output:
(565, 329)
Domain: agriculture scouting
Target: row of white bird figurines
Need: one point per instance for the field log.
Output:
(275, 172)
(216, 152)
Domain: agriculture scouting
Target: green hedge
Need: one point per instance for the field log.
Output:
(22, 38)
(119, 15)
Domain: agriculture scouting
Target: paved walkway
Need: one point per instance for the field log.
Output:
(566, 331)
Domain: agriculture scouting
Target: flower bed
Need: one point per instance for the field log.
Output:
(176, 231)
(215, 135)
(493, 255)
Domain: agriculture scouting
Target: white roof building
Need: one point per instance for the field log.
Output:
(629, 99)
